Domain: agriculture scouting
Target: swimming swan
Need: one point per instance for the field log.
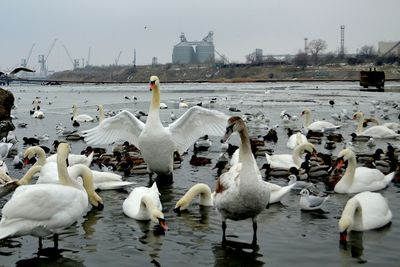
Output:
(286, 161)
(143, 204)
(359, 179)
(364, 211)
(376, 131)
(318, 126)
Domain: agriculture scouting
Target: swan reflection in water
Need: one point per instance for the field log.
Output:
(234, 253)
(354, 247)
(152, 238)
(51, 261)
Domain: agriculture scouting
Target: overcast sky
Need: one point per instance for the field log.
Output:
(153, 27)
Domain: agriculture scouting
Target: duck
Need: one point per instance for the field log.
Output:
(359, 179)
(206, 198)
(39, 210)
(376, 131)
(37, 113)
(199, 161)
(157, 143)
(319, 126)
(80, 117)
(240, 192)
(296, 139)
(310, 202)
(143, 204)
(285, 161)
(364, 211)
(202, 144)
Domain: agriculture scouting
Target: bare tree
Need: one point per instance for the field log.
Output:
(301, 59)
(251, 58)
(316, 47)
(367, 51)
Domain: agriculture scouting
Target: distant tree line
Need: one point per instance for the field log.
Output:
(314, 56)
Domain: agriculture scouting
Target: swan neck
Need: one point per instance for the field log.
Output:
(62, 170)
(87, 178)
(27, 178)
(307, 119)
(245, 147)
(297, 153)
(350, 208)
(101, 114)
(351, 170)
(360, 125)
(41, 155)
(199, 189)
(149, 203)
(155, 99)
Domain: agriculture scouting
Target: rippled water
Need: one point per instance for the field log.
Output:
(286, 235)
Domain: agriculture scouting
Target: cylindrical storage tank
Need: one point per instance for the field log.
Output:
(183, 53)
(205, 52)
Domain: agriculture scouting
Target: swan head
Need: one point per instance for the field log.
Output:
(306, 112)
(154, 82)
(235, 124)
(358, 116)
(304, 192)
(158, 217)
(346, 154)
(344, 225)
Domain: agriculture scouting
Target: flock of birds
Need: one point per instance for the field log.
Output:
(66, 186)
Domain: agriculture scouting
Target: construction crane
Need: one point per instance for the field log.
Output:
(25, 61)
(43, 59)
(75, 63)
(117, 58)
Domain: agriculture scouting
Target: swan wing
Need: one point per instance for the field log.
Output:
(123, 126)
(194, 123)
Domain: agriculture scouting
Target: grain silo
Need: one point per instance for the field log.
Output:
(205, 49)
(184, 52)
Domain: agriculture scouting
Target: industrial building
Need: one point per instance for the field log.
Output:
(386, 48)
(192, 52)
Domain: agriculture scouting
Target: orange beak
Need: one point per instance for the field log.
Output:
(163, 224)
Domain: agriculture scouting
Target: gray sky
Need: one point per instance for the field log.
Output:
(276, 26)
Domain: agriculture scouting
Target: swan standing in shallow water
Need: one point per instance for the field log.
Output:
(376, 131)
(44, 209)
(359, 179)
(241, 193)
(364, 211)
(157, 143)
(318, 126)
(143, 204)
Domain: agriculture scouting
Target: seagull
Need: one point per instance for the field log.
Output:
(14, 71)
(310, 202)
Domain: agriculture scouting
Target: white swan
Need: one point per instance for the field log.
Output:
(200, 189)
(157, 143)
(319, 126)
(278, 192)
(73, 159)
(310, 202)
(48, 174)
(44, 209)
(4, 149)
(364, 211)
(359, 179)
(241, 193)
(143, 204)
(376, 131)
(286, 161)
(295, 140)
(80, 117)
